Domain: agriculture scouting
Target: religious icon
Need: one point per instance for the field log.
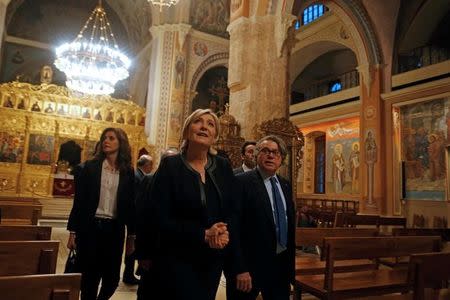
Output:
(97, 115)
(21, 104)
(46, 74)
(49, 107)
(86, 113)
(8, 102)
(179, 71)
(40, 149)
(75, 110)
(109, 117)
(338, 168)
(62, 109)
(131, 119)
(120, 119)
(35, 106)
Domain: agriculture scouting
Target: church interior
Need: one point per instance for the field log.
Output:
(358, 89)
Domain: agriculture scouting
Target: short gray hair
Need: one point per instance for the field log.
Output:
(168, 152)
(189, 120)
(276, 139)
(143, 160)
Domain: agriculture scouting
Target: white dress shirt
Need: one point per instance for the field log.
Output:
(107, 204)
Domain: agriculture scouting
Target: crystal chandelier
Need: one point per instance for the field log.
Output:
(162, 3)
(93, 64)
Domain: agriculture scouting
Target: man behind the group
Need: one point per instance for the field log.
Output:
(144, 166)
(248, 159)
(263, 242)
(145, 237)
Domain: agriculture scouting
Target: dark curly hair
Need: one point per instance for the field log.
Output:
(123, 162)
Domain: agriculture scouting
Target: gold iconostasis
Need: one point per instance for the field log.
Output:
(36, 120)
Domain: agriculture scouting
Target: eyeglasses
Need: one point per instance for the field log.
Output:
(267, 151)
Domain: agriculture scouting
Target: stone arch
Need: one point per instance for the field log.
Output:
(354, 16)
(215, 60)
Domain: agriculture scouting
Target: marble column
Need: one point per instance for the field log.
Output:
(257, 75)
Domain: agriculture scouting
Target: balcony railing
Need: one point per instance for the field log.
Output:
(421, 57)
(325, 87)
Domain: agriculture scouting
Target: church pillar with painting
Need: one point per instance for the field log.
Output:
(258, 65)
(166, 85)
(372, 145)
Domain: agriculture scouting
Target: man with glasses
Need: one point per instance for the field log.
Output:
(263, 239)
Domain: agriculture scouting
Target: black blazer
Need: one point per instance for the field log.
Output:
(145, 229)
(180, 211)
(253, 238)
(87, 196)
(238, 170)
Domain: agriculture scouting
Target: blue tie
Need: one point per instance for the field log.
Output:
(280, 213)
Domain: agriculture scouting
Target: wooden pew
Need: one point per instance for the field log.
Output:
(19, 213)
(353, 220)
(444, 233)
(41, 287)
(334, 285)
(25, 233)
(310, 237)
(426, 275)
(28, 257)
(392, 221)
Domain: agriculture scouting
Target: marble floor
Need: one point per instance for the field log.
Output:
(123, 292)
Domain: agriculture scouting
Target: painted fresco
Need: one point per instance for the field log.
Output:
(40, 150)
(11, 147)
(342, 155)
(425, 130)
(211, 16)
(212, 91)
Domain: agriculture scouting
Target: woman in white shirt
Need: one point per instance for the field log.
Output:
(103, 205)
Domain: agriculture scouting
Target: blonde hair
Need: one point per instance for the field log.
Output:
(189, 120)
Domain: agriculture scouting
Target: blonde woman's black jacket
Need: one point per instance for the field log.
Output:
(180, 205)
(87, 195)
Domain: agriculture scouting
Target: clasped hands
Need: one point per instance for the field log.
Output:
(217, 236)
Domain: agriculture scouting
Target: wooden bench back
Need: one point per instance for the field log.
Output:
(444, 233)
(20, 213)
(392, 221)
(25, 233)
(351, 220)
(315, 236)
(41, 287)
(374, 247)
(377, 247)
(429, 270)
(28, 257)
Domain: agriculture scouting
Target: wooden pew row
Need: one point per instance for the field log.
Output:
(19, 213)
(311, 237)
(41, 287)
(426, 274)
(343, 219)
(25, 233)
(28, 257)
(332, 285)
(403, 261)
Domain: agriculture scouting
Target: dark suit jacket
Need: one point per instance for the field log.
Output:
(253, 235)
(145, 229)
(180, 212)
(238, 170)
(87, 196)
(138, 177)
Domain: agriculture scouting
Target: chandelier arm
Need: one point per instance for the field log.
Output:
(111, 34)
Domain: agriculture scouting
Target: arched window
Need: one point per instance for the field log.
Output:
(313, 12)
(310, 14)
(335, 86)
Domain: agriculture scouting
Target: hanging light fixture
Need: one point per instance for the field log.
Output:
(93, 64)
(162, 3)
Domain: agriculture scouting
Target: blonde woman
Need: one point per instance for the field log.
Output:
(192, 197)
